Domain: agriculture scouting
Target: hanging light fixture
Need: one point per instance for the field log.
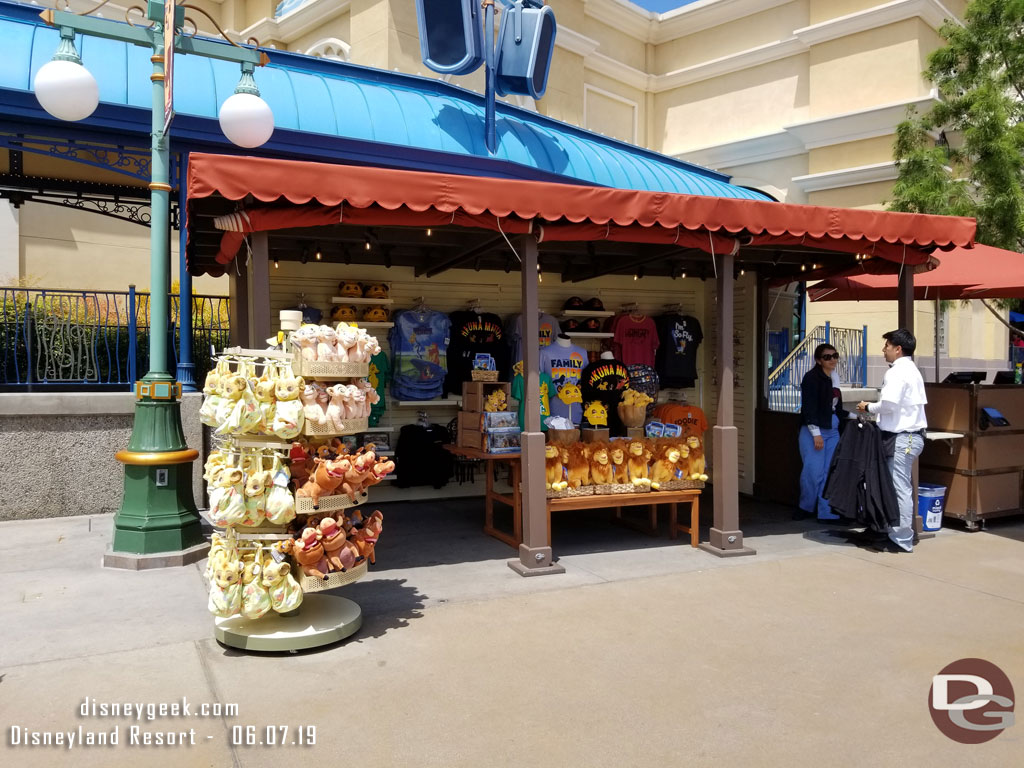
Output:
(244, 117)
(429, 231)
(277, 264)
(64, 88)
(319, 255)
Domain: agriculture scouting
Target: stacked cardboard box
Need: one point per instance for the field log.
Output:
(496, 431)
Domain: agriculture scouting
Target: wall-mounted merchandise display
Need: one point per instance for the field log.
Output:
(419, 353)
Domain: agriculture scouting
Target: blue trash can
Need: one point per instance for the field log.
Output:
(930, 505)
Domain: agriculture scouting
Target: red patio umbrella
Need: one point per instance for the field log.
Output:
(963, 273)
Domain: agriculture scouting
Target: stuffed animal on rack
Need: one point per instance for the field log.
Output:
(285, 592)
(357, 406)
(345, 313)
(496, 401)
(211, 395)
(357, 475)
(266, 401)
(554, 469)
(696, 464)
(300, 463)
(229, 494)
(637, 463)
(375, 314)
(341, 553)
(255, 597)
(325, 479)
(381, 469)
(311, 409)
(308, 552)
(601, 470)
(229, 414)
(288, 416)
(305, 339)
(280, 501)
(226, 587)
(578, 466)
(346, 342)
(620, 469)
(632, 409)
(372, 397)
(376, 291)
(353, 519)
(256, 485)
(365, 347)
(220, 547)
(337, 408)
(666, 466)
(326, 344)
(366, 538)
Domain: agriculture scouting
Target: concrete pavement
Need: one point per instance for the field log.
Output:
(644, 653)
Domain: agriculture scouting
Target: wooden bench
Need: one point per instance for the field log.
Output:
(653, 499)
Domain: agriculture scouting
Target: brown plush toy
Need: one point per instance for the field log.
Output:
(325, 480)
(553, 469)
(620, 469)
(602, 472)
(697, 465)
(637, 462)
(308, 552)
(578, 466)
(341, 554)
(664, 469)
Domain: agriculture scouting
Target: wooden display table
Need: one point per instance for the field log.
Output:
(490, 496)
(597, 501)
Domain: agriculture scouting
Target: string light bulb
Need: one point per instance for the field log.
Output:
(429, 231)
(319, 255)
(803, 267)
(277, 265)
(367, 243)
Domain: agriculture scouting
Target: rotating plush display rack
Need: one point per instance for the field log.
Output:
(283, 487)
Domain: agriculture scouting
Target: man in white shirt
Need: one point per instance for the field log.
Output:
(900, 411)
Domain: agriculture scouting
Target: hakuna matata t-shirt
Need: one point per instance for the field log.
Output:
(565, 365)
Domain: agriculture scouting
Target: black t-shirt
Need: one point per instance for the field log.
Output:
(603, 381)
(680, 337)
(474, 333)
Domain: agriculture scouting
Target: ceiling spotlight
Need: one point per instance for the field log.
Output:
(743, 272)
(803, 267)
(367, 243)
(277, 264)
(429, 231)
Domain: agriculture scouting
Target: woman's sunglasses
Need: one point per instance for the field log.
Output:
(830, 356)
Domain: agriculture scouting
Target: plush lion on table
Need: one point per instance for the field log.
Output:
(553, 469)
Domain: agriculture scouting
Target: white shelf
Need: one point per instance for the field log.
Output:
(373, 324)
(354, 300)
(589, 335)
(379, 429)
(444, 402)
(567, 313)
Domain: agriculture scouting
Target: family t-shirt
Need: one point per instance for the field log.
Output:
(565, 366)
(635, 340)
(680, 337)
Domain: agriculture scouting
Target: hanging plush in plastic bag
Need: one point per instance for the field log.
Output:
(226, 586)
(288, 416)
(264, 391)
(212, 391)
(256, 486)
(255, 596)
(230, 507)
(280, 508)
(285, 592)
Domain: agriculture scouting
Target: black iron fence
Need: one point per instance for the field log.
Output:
(95, 339)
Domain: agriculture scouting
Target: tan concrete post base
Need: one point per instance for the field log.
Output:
(725, 538)
(535, 561)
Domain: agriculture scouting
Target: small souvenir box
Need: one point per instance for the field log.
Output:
(499, 420)
(475, 393)
(380, 439)
(502, 440)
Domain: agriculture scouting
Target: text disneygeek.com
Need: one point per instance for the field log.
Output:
(136, 735)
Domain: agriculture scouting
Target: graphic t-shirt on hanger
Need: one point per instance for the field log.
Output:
(419, 344)
(636, 339)
(546, 394)
(379, 376)
(474, 333)
(565, 366)
(603, 381)
(547, 329)
(680, 337)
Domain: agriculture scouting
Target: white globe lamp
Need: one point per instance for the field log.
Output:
(66, 89)
(246, 120)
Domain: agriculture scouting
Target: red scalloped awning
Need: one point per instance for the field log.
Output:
(322, 193)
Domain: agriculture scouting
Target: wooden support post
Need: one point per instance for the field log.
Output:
(535, 557)
(238, 310)
(905, 296)
(726, 538)
(259, 289)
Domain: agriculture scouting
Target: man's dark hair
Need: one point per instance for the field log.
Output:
(821, 349)
(903, 339)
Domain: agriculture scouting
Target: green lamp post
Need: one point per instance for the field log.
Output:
(158, 513)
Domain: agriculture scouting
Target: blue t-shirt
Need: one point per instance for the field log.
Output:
(547, 330)
(565, 365)
(419, 345)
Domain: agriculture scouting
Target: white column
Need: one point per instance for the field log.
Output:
(10, 244)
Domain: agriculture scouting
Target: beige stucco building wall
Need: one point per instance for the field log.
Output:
(799, 98)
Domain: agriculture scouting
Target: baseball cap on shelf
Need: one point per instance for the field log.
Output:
(593, 324)
(573, 302)
(571, 324)
(594, 305)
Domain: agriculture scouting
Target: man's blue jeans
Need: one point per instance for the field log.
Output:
(908, 447)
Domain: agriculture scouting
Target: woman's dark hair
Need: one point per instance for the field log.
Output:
(818, 350)
(903, 339)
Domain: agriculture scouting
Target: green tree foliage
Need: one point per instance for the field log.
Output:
(979, 75)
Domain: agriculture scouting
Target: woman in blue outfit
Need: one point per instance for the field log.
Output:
(821, 408)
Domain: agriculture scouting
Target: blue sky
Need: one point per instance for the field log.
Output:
(661, 6)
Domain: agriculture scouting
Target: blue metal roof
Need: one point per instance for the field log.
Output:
(336, 110)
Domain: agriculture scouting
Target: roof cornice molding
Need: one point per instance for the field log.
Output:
(932, 12)
(293, 25)
(616, 70)
(862, 124)
(847, 177)
(756, 149)
(734, 62)
(623, 16)
(574, 42)
(798, 138)
(705, 14)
